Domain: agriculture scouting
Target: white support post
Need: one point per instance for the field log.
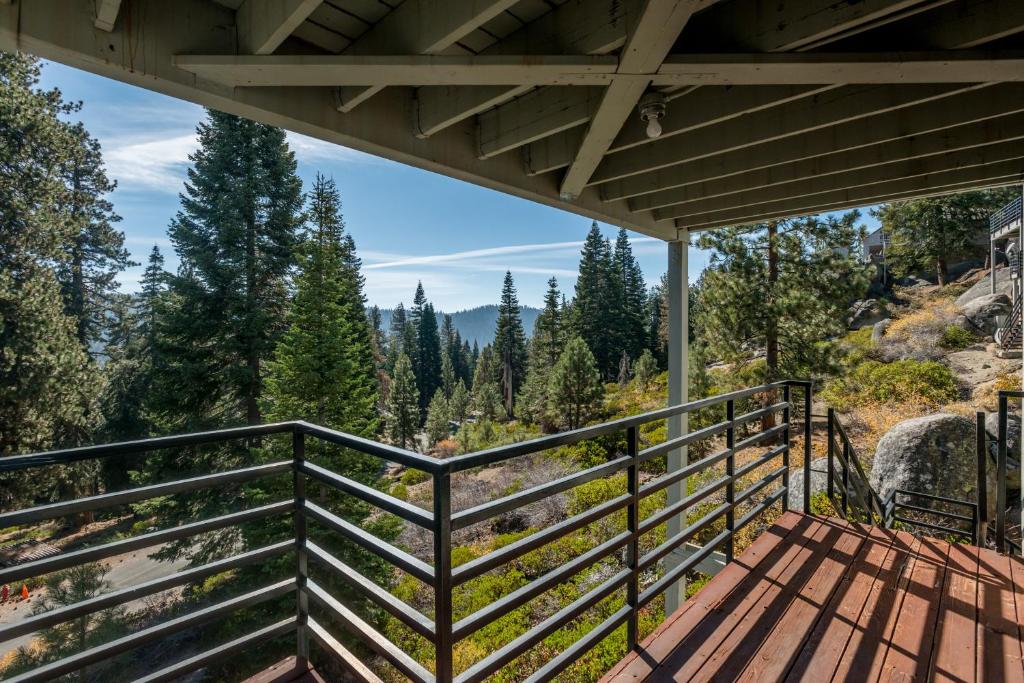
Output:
(678, 393)
(992, 261)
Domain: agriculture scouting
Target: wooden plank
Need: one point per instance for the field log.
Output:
(825, 647)
(726, 629)
(1017, 577)
(765, 550)
(955, 648)
(865, 651)
(910, 641)
(789, 634)
(999, 631)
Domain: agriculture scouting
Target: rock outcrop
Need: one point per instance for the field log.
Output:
(865, 312)
(819, 482)
(983, 287)
(932, 454)
(1012, 447)
(879, 329)
(981, 312)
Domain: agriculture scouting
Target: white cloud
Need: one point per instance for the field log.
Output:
(464, 258)
(152, 163)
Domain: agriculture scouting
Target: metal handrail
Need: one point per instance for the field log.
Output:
(442, 521)
(1006, 215)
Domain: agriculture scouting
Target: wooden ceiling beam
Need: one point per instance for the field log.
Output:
(1004, 172)
(968, 137)
(263, 25)
(961, 109)
(806, 187)
(418, 27)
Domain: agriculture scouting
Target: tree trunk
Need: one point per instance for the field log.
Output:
(942, 271)
(771, 336)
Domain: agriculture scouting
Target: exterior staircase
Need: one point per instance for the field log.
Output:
(1007, 224)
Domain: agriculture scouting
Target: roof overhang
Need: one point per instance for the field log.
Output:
(771, 109)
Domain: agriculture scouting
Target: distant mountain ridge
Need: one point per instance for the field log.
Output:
(475, 324)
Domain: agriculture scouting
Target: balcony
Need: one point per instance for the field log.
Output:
(794, 586)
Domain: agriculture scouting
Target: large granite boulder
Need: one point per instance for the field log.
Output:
(864, 313)
(983, 287)
(932, 454)
(1012, 447)
(983, 311)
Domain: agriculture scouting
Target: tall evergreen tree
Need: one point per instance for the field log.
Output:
(591, 311)
(95, 254)
(48, 388)
(396, 336)
(485, 396)
(510, 344)
(428, 348)
(782, 287)
(379, 345)
(234, 234)
(323, 369)
(548, 332)
(403, 414)
(632, 293)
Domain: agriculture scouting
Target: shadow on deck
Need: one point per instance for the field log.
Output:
(819, 599)
(286, 671)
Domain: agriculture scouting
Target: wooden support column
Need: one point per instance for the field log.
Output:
(678, 393)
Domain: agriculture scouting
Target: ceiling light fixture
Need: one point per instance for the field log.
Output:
(652, 108)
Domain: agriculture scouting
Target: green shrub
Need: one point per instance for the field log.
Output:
(412, 477)
(956, 338)
(902, 381)
(400, 491)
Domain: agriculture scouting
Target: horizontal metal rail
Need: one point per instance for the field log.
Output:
(478, 566)
(130, 642)
(403, 612)
(369, 635)
(405, 510)
(474, 515)
(91, 503)
(401, 456)
(933, 527)
(221, 652)
(401, 559)
(86, 555)
(341, 654)
(524, 594)
(118, 597)
(14, 463)
(572, 653)
(506, 654)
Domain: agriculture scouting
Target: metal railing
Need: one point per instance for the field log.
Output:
(1012, 212)
(857, 499)
(735, 509)
(1002, 542)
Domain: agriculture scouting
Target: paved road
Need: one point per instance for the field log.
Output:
(126, 570)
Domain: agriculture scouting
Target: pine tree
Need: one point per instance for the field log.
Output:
(428, 346)
(448, 378)
(926, 234)
(48, 387)
(323, 369)
(575, 384)
(438, 415)
(510, 344)
(95, 254)
(548, 332)
(486, 397)
(397, 336)
(234, 235)
(459, 402)
(593, 310)
(632, 295)
(403, 415)
(782, 287)
(379, 346)
(412, 332)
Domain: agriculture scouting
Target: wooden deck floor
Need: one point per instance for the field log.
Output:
(817, 599)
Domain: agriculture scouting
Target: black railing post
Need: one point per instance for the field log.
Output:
(1001, 478)
(787, 413)
(633, 525)
(808, 427)
(981, 526)
(301, 555)
(846, 479)
(730, 472)
(831, 436)
(443, 576)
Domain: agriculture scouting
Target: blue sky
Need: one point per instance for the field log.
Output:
(408, 224)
